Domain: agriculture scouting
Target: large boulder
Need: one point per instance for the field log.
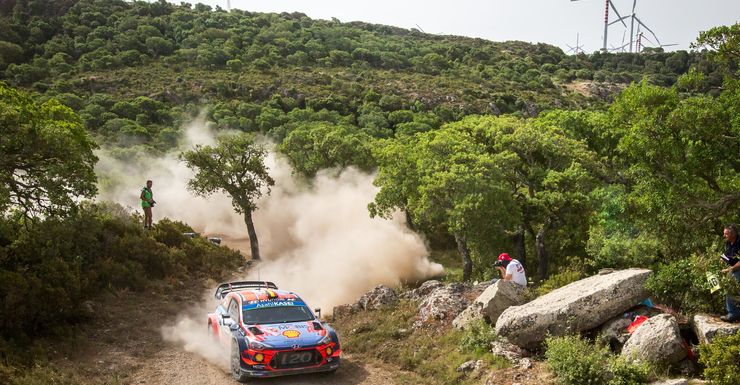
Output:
(579, 306)
(491, 303)
(442, 305)
(707, 327)
(656, 340)
(378, 297)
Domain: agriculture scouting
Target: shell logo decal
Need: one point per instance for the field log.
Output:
(292, 333)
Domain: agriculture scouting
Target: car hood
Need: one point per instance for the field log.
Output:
(289, 335)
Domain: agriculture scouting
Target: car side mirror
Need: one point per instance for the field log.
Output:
(318, 312)
(226, 319)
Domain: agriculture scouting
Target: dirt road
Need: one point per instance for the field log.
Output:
(125, 345)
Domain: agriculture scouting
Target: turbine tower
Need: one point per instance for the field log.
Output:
(608, 4)
(578, 48)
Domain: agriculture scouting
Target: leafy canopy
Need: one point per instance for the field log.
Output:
(235, 166)
(46, 157)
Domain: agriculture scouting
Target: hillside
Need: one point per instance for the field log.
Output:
(134, 71)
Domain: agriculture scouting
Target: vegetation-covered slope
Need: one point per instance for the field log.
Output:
(132, 68)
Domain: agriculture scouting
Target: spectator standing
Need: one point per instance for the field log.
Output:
(731, 256)
(147, 202)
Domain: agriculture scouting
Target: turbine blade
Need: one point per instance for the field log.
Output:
(618, 15)
(648, 28)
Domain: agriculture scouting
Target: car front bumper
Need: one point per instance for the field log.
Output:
(264, 373)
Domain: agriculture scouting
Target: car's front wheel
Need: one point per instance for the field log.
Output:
(236, 367)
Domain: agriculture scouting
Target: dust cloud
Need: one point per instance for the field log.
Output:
(189, 331)
(316, 239)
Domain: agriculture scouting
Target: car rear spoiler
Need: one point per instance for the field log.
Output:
(228, 287)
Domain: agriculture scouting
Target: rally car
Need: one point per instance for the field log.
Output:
(271, 332)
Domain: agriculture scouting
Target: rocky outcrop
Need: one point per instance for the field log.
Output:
(579, 306)
(657, 340)
(422, 291)
(491, 303)
(443, 304)
(342, 311)
(707, 327)
(378, 297)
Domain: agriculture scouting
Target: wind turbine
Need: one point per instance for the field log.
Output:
(577, 49)
(622, 46)
(608, 5)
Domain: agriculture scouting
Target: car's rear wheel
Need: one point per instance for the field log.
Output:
(236, 367)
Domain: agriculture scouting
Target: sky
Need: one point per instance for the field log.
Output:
(556, 22)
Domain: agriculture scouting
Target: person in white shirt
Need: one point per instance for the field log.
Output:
(511, 269)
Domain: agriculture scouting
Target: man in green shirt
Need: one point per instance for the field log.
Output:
(147, 202)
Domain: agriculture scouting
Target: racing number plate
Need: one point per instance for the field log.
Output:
(293, 359)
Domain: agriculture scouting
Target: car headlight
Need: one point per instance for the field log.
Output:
(254, 345)
(325, 340)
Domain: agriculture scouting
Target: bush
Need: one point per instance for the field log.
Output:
(558, 280)
(70, 260)
(683, 284)
(721, 360)
(576, 361)
(478, 337)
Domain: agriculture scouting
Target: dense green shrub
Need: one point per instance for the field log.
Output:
(721, 360)
(576, 361)
(49, 269)
(478, 337)
(683, 284)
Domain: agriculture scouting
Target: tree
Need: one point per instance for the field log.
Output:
(680, 157)
(46, 157)
(236, 167)
(446, 177)
(490, 179)
(319, 145)
(725, 41)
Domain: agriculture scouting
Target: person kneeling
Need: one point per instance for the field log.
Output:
(511, 269)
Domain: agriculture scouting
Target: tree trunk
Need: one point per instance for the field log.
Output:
(542, 257)
(467, 263)
(253, 244)
(409, 220)
(520, 249)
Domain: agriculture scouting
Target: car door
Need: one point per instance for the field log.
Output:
(232, 309)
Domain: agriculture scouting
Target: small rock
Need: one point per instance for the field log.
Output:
(507, 350)
(524, 363)
(470, 366)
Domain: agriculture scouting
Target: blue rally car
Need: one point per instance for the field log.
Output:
(271, 332)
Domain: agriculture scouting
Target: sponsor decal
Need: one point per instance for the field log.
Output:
(270, 303)
(292, 333)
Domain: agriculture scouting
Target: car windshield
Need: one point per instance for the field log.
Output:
(277, 314)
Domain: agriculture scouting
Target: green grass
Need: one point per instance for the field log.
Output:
(427, 356)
